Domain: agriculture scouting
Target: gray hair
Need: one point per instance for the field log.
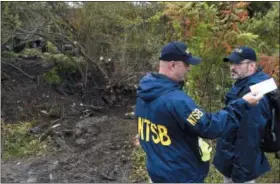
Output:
(248, 61)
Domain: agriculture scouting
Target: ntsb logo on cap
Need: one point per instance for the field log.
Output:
(238, 50)
(240, 54)
(187, 51)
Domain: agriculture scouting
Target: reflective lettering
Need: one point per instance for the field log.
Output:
(147, 129)
(164, 138)
(140, 128)
(155, 137)
(158, 133)
(194, 116)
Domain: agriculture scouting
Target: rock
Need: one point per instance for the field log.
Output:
(31, 177)
(51, 177)
(80, 141)
(130, 115)
(78, 132)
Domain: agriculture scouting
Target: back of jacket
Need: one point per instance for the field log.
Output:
(238, 154)
(169, 124)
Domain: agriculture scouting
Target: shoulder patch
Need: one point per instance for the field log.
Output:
(194, 116)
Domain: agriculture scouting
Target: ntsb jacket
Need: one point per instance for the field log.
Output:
(238, 154)
(169, 124)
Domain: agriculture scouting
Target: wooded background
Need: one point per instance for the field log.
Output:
(114, 43)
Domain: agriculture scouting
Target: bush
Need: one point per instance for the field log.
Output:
(63, 62)
(52, 48)
(139, 171)
(52, 77)
(31, 52)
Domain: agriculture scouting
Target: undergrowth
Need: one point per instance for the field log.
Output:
(139, 172)
(18, 142)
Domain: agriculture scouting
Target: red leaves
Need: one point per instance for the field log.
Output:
(271, 66)
(243, 16)
(227, 47)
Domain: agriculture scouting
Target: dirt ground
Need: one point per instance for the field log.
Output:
(92, 145)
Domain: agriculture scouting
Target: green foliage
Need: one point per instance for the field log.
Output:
(52, 49)
(139, 172)
(64, 62)
(247, 39)
(127, 32)
(21, 15)
(17, 142)
(34, 52)
(121, 30)
(267, 27)
(211, 34)
(52, 77)
(7, 15)
(201, 39)
(274, 175)
(9, 20)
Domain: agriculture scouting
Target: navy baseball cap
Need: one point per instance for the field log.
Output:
(240, 54)
(178, 51)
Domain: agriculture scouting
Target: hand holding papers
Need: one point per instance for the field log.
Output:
(263, 87)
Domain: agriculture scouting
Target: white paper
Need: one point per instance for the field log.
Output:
(264, 87)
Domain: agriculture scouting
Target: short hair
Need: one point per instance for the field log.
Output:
(249, 61)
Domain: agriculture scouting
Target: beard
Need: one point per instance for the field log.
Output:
(234, 75)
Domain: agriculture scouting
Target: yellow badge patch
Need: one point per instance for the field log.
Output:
(194, 116)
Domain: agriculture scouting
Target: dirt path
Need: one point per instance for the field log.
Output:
(92, 146)
(98, 151)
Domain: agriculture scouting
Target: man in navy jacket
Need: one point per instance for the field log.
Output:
(170, 123)
(238, 154)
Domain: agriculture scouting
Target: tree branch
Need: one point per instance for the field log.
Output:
(29, 76)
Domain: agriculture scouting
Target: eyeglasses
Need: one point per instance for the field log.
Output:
(238, 64)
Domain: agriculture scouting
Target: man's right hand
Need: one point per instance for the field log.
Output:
(252, 99)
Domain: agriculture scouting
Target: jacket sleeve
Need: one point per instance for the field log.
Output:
(206, 125)
(248, 155)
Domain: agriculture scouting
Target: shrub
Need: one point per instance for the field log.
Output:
(52, 77)
(31, 52)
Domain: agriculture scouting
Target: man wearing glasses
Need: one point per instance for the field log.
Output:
(170, 123)
(238, 154)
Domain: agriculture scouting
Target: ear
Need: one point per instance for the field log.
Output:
(171, 65)
(253, 64)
